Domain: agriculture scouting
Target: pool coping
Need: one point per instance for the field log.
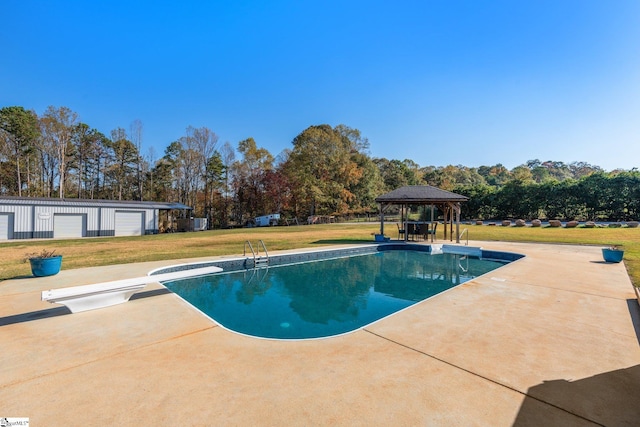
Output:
(292, 257)
(550, 340)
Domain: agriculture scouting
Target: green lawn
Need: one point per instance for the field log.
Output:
(120, 250)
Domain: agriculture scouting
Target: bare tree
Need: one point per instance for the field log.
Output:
(150, 161)
(58, 125)
(205, 143)
(228, 154)
(135, 133)
(194, 151)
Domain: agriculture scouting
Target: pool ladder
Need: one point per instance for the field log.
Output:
(466, 230)
(258, 261)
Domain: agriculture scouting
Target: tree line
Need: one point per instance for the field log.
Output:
(327, 171)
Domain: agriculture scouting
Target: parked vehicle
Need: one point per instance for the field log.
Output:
(267, 220)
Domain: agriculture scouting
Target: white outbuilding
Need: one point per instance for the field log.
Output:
(38, 218)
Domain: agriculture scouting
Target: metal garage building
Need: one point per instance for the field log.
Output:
(36, 218)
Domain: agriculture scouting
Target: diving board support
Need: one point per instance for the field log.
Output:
(106, 294)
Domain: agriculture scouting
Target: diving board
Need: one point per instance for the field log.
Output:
(462, 250)
(106, 294)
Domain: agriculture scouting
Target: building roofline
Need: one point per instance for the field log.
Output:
(46, 201)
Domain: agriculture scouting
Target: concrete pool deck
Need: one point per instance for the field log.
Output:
(552, 339)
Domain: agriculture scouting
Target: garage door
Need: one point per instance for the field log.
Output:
(6, 226)
(68, 225)
(129, 224)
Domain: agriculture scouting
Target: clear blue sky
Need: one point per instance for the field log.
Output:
(439, 82)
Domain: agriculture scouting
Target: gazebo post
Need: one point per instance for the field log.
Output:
(446, 219)
(405, 219)
(451, 222)
(449, 225)
(457, 208)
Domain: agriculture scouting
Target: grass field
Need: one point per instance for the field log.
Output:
(121, 250)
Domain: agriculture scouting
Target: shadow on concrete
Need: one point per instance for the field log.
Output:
(34, 315)
(63, 311)
(26, 276)
(148, 294)
(609, 399)
(634, 312)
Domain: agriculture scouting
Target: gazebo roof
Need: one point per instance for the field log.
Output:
(420, 194)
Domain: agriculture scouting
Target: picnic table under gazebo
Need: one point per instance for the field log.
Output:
(424, 195)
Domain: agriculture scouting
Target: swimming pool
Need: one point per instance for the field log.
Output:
(329, 296)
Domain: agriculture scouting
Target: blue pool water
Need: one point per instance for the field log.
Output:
(327, 297)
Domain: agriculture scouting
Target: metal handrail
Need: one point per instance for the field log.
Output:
(250, 247)
(466, 230)
(265, 249)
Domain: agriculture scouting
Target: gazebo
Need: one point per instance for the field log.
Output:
(449, 203)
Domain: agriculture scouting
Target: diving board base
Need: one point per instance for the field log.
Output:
(85, 299)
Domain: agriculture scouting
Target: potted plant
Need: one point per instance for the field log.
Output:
(612, 254)
(44, 263)
(381, 237)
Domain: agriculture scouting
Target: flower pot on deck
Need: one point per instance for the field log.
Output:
(41, 267)
(612, 255)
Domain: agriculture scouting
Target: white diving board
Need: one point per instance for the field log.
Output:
(462, 250)
(98, 295)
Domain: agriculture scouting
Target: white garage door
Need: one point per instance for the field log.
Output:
(68, 225)
(129, 224)
(6, 226)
